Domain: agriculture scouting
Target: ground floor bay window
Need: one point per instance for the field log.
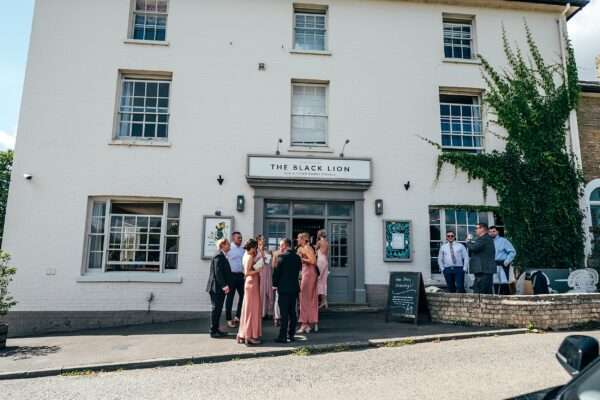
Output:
(132, 235)
(461, 221)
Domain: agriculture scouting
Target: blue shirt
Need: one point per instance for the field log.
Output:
(235, 255)
(504, 249)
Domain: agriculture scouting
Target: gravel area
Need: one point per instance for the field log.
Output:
(484, 368)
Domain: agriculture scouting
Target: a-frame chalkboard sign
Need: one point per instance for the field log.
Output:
(406, 297)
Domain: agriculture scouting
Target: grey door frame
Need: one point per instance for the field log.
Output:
(324, 195)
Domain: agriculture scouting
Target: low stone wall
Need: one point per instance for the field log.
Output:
(544, 311)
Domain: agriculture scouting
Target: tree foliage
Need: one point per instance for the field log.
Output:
(6, 276)
(536, 178)
(6, 162)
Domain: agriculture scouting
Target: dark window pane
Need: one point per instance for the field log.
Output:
(309, 209)
(277, 208)
(171, 261)
(172, 245)
(339, 210)
(173, 227)
(434, 216)
(173, 210)
(434, 232)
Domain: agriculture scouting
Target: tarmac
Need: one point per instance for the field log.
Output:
(186, 342)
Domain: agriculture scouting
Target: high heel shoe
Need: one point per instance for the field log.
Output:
(251, 342)
(240, 340)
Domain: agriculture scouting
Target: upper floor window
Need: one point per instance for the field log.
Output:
(149, 20)
(461, 122)
(310, 29)
(309, 114)
(458, 38)
(144, 107)
(133, 235)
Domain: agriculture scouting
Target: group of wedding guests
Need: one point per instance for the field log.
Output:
(269, 284)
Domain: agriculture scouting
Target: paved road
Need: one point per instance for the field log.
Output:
(485, 368)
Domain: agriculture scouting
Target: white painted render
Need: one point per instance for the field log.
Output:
(385, 71)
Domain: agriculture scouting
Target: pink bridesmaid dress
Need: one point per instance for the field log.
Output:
(309, 300)
(267, 296)
(251, 318)
(323, 265)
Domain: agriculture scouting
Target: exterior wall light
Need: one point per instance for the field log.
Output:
(241, 203)
(378, 207)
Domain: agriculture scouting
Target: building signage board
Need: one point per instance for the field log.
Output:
(297, 168)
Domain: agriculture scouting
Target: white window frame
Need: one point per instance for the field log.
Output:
(131, 27)
(138, 76)
(589, 189)
(163, 234)
(459, 19)
(467, 93)
(292, 115)
(443, 228)
(311, 9)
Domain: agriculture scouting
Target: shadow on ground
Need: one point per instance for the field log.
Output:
(25, 352)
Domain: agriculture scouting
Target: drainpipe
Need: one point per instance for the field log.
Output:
(572, 126)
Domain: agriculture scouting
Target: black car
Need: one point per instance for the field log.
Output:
(579, 355)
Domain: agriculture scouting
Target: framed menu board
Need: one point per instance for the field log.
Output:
(215, 228)
(397, 241)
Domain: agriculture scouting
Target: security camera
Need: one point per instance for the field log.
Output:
(28, 176)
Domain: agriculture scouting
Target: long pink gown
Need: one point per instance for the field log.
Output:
(309, 300)
(251, 318)
(323, 265)
(267, 296)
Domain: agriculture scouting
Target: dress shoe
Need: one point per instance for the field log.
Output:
(280, 340)
(217, 334)
(231, 324)
(292, 339)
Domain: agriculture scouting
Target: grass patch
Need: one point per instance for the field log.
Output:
(400, 343)
(84, 372)
(302, 351)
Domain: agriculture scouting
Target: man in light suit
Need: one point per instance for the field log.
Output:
(482, 262)
(220, 282)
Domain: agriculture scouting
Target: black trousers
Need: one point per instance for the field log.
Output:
(238, 286)
(216, 308)
(289, 318)
(484, 284)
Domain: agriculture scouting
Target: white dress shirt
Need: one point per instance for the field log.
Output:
(234, 255)
(460, 254)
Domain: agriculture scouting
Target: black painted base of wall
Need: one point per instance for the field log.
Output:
(377, 295)
(33, 323)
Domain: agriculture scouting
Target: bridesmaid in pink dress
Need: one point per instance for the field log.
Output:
(323, 265)
(267, 296)
(309, 299)
(251, 319)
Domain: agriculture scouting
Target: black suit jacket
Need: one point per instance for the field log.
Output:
(219, 275)
(483, 255)
(285, 276)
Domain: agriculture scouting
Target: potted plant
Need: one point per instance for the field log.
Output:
(6, 301)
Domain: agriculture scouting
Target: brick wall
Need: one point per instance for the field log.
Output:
(588, 116)
(544, 311)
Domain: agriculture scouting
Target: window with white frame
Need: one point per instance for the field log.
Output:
(130, 235)
(149, 20)
(309, 114)
(143, 108)
(458, 38)
(595, 208)
(459, 220)
(461, 122)
(310, 29)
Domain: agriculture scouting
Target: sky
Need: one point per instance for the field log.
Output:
(15, 28)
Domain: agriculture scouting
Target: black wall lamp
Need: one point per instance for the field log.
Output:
(241, 203)
(378, 207)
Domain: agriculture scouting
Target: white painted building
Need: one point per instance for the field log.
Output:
(132, 110)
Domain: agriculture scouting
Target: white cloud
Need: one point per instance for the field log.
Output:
(7, 140)
(584, 31)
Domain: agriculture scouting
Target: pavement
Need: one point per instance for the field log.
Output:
(185, 342)
(484, 368)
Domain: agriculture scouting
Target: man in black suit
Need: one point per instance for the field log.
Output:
(483, 260)
(219, 284)
(285, 279)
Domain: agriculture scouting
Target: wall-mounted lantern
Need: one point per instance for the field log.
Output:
(378, 207)
(240, 203)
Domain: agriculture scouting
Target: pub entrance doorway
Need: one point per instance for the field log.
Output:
(288, 218)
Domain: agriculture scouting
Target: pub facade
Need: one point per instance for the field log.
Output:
(157, 126)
